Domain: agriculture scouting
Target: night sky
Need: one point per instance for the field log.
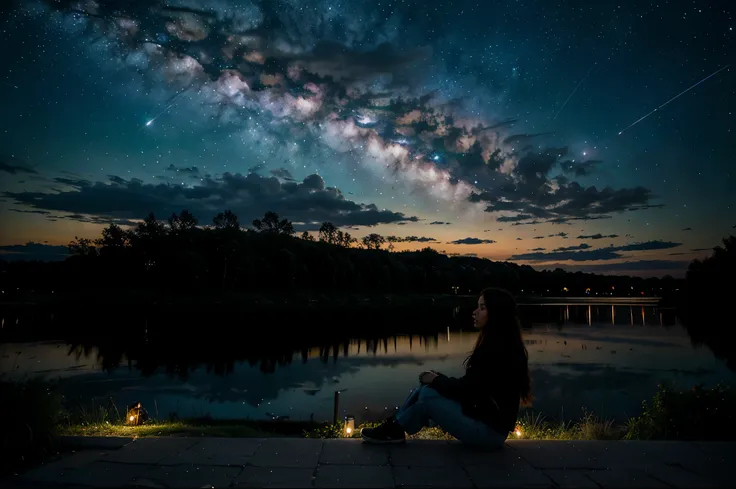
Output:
(513, 130)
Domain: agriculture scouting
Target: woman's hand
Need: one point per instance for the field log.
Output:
(427, 377)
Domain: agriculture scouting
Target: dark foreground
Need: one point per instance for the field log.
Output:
(290, 462)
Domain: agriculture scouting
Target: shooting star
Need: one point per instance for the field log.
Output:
(670, 100)
(574, 90)
(171, 104)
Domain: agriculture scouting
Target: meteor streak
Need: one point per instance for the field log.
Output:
(670, 100)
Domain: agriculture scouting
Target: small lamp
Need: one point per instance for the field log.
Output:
(517, 431)
(349, 425)
(136, 415)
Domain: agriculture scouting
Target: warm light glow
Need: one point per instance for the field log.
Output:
(349, 425)
(517, 432)
(132, 418)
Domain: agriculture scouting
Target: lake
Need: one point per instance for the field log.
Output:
(602, 358)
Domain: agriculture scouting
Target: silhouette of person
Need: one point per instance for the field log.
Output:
(480, 408)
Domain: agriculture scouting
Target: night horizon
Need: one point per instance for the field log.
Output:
(592, 138)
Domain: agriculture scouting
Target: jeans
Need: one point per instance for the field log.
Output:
(425, 404)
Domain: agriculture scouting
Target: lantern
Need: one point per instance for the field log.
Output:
(349, 425)
(136, 415)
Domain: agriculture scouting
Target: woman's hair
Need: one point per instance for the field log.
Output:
(500, 342)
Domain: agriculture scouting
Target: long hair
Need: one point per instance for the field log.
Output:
(500, 342)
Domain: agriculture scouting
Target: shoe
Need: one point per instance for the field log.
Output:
(388, 432)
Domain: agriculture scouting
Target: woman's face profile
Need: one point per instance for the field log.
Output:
(480, 315)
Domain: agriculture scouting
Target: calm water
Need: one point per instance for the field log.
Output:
(588, 359)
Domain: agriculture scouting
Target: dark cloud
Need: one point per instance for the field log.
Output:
(354, 77)
(282, 173)
(472, 241)
(538, 237)
(33, 251)
(582, 246)
(701, 249)
(558, 235)
(412, 239)
(14, 166)
(597, 236)
(688, 229)
(531, 195)
(584, 254)
(191, 171)
(438, 223)
(308, 203)
(538, 249)
(580, 168)
(631, 266)
(29, 211)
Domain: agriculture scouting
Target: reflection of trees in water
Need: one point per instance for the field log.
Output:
(182, 356)
(706, 309)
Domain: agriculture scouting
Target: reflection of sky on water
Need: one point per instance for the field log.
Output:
(609, 369)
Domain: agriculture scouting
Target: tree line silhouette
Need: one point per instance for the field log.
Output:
(269, 257)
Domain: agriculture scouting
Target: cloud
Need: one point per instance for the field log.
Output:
(14, 166)
(438, 223)
(582, 253)
(272, 60)
(597, 236)
(582, 246)
(283, 174)
(538, 249)
(688, 229)
(472, 241)
(307, 203)
(191, 171)
(412, 239)
(581, 168)
(29, 211)
(631, 266)
(538, 237)
(33, 251)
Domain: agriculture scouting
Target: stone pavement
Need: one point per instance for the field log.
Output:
(294, 462)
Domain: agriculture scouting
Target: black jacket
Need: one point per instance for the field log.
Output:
(487, 392)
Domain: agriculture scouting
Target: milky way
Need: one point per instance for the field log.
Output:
(362, 113)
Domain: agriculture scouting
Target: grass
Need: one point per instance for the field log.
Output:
(35, 417)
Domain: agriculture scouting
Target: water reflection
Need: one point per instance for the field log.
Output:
(606, 358)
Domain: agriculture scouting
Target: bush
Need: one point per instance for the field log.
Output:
(29, 412)
(698, 414)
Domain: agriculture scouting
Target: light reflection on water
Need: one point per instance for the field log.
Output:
(607, 367)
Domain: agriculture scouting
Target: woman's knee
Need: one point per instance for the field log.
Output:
(426, 392)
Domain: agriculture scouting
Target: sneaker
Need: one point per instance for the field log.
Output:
(388, 432)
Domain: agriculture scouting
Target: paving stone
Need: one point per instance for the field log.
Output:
(150, 450)
(96, 474)
(95, 442)
(426, 454)
(354, 476)
(297, 477)
(497, 458)
(287, 452)
(353, 452)
(216, 451)
(681, 478)
(620, 478)
(571, 479)
(431, 477)
(511, 477)
(591, 455)
(188, 476)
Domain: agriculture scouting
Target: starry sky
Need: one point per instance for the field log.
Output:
(516, 130)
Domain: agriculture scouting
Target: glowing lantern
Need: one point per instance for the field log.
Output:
(349, 425)
(517, 431)
(136, 415)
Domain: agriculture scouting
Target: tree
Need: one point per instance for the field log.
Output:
(272, 224)
(345, 240)
(373, 241)
(150, 228)
(307, 237)
(185, 221)
(113, 238)
(82, 247)
(226, 220)
(328, 233)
